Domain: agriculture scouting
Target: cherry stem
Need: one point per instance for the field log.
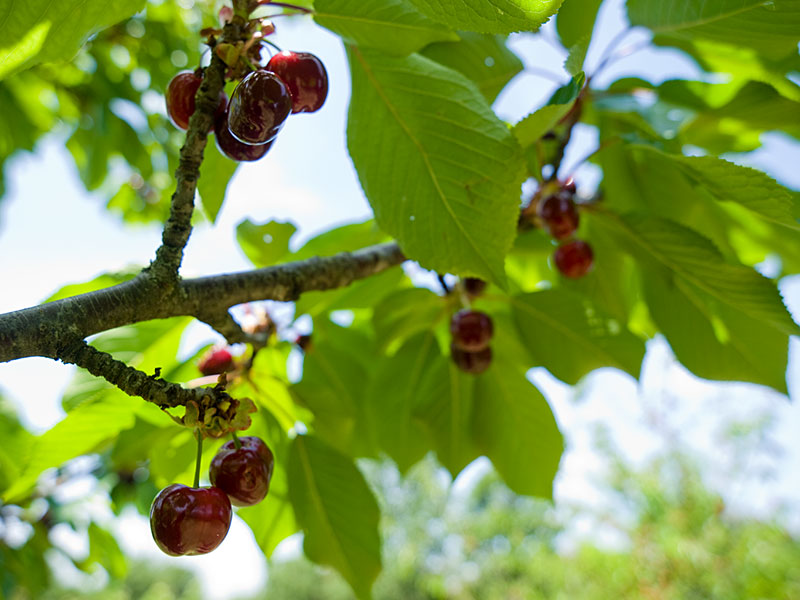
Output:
(199, 458)
(607, 143)
(250, 64)
(235, 439)
(274, 45)
(301, 9)
(443, 283)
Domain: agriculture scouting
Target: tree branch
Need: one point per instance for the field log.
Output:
(50, 329)
(131, 381)
(178, 227)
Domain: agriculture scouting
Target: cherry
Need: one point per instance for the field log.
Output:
(471, 362)
(305, 76)
(574, 259)
(474, 286)
(259, 106)
(180, 98)
(559, 214)
(216, 361)
(233, 148)
(187, 520)
(569, 186)
(243, 473)
(303, 342)
(471, 330)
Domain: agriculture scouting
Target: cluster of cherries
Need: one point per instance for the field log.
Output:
(194, 520)
(246, 127)
(470, 333)
(559, 216)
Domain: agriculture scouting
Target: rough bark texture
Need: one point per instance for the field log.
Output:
(50, 329)
(178, 227)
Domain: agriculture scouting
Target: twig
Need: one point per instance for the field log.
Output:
(178, 228)
(132, 381)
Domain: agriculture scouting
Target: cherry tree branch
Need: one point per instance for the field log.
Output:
(49, 330)
(178, 227)
(132, 381)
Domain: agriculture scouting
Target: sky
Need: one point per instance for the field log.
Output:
(53, 232)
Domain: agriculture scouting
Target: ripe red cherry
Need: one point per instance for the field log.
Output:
(243, 473)
(559, 214)
(259, 106)
(305, 76)
(474, 286)
(471, 330)
(471, 362)
(180, 98)
(233, 148)
(569, 186)
(216, 361)
(187, 520)
(574, 259)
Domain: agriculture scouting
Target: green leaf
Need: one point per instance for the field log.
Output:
(406, 312)
(445, 173)
(104, 550)
(80, 432)
(272, 520)
(743, 64)
(530, 129)
(576, 57)
(514, 426)
(16, 445)
(333, 388)
(264, 245)
(575, 21)
(692, 260)
(37, 31)
(713, 341)
(490, 16)
(342, 239)
(401, 434)
(100, 282)
(392, 26)
(268, 386)
(215, 175)
(365, 293)
(337, 511)
(571, 337)
(769, 27)
(485, 59)
(444, 406)
(729, 182)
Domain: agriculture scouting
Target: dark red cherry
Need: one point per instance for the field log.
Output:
(244, 473)
(569, 186)
(259, 107)
(305, 76)
(303, 342)
(233, 148)
(216, 361)
(180, 98)
(574, 259)
(559, 214)
(471, 330)
(471, 362)
(187, 520)
(474, 286)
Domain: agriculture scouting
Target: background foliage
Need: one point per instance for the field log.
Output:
(688, 246)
